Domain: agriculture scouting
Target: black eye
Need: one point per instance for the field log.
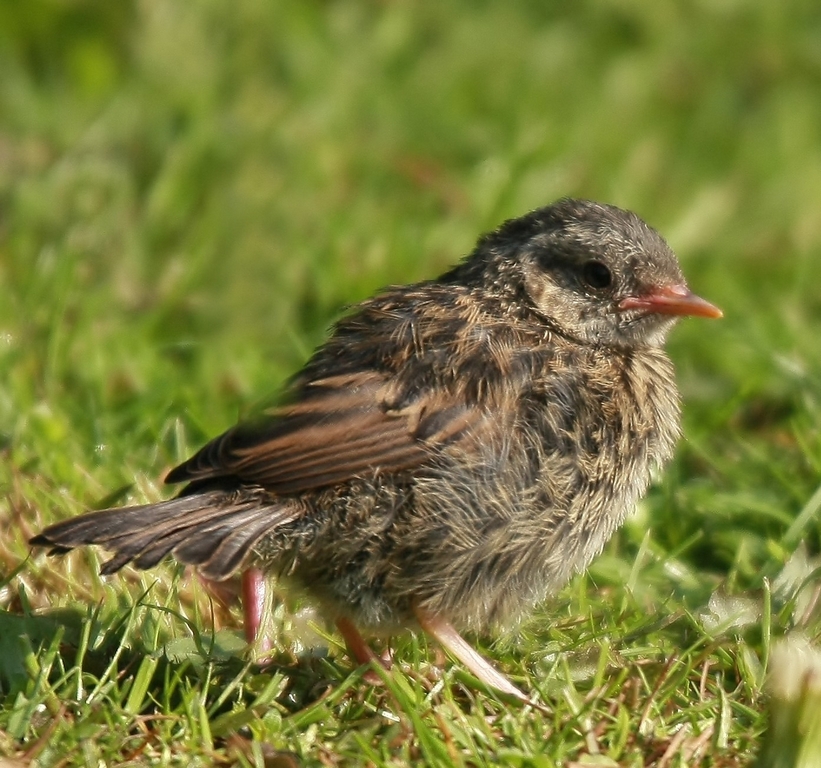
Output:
(596, 274)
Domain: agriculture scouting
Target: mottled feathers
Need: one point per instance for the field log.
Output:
(458, 447)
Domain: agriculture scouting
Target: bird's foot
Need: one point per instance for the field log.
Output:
(452, 641)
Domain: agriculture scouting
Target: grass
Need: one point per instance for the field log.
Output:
(191, 192)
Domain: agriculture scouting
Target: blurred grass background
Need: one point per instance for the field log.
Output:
(191, 192)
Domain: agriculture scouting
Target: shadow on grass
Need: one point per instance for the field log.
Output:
(66, 651)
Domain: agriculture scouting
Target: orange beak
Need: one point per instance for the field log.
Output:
(672, 300)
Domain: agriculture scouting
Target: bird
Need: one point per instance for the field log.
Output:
(453, 453)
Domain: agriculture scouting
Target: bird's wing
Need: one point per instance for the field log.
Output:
(341, 427)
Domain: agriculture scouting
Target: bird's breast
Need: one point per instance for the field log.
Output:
(596, 432)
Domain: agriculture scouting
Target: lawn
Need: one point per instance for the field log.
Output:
(192, 192)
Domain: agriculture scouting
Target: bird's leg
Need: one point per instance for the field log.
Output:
(357, 646)
(254, 604)
(224, 592)
(452, 641)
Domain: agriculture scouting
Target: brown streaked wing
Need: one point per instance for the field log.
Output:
(342, 427)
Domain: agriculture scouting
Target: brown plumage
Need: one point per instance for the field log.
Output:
(456, 450)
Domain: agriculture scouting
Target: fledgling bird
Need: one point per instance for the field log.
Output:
(454, 452)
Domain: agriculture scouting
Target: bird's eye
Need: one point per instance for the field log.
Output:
(596, 274)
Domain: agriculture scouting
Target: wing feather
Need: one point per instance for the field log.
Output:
(340, 428)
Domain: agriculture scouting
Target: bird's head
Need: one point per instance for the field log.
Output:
(594, 272)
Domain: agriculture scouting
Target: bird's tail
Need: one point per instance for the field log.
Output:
(213, 530)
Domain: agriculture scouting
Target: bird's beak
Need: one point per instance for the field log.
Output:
(672, 300)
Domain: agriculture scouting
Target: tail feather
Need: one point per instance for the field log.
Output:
(100, 526)
(213, 530)
(217, 558)
(147, 547)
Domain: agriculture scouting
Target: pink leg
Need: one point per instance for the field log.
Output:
(357, 646)
(224, 592)
(452, 641)
(361, 651)
(254, 602)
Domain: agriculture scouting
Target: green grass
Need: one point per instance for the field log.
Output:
(191, 192)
